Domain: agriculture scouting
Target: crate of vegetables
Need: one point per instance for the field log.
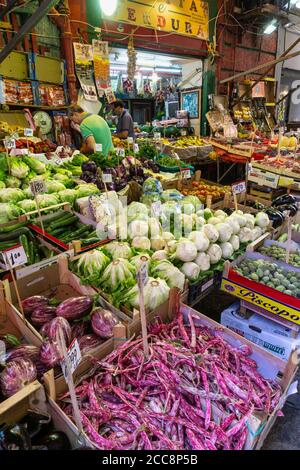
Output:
(203, 189)
(266, 283)
(254, 382)
(64, 228)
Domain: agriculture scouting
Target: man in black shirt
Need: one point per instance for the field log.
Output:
(125, 126)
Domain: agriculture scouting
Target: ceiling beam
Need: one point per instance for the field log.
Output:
(28, 26)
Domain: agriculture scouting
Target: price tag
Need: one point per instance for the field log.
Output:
(99, 147)
(130, 140)
(142, 275)
(157, 135)
(185, 173)
(58, 161)
(136, 148)
(10, 144)
(106, 178)
(37, 187)
(239, 188)
(183, 133)
(156, 208)
(28, 132)
(14, 257)
(74, 356)
(120, 152)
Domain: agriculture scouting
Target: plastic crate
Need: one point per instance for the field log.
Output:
(174, 169)
(199, 289)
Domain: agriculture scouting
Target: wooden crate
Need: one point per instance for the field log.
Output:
(56, 276)
(15, 408)
(269, 366)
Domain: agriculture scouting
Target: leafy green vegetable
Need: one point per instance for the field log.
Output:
(35, 165)
(54, 187)
(12, 195)
(9, 212)
(27, 205)
(18, 168)
(84, 190)
(78, 159)
(3, 162)
(47, 200)
(12, 182)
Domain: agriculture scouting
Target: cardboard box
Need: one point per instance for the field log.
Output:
(277, 303)
(264, 178)
(270, 335)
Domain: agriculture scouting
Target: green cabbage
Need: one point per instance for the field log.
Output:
(28, 193)
(9, 212)
(84, 190)
(18, 168)
(35, 165)
(68, 195)
(54, 187)
(12, 195)
(13, 182)
(31, 175)
(28, 205)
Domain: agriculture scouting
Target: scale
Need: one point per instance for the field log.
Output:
(43, 121)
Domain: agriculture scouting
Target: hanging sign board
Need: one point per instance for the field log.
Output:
(187, 17)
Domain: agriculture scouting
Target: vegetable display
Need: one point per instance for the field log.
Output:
(167, 403)
(271, 275)
(277, 252)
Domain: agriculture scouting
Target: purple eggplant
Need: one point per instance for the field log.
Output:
(103, 322)
(78, 330)
(42, 315)
(89, 167)
(27, 351)
(16, 375)
(75, 308)
(89, 342)
(31, 303)
(44, 331)
(49, 354)
(60, 322)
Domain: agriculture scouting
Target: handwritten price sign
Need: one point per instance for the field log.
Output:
(107, 178)
(28, 132)
(37, 187)
(239, 188)
(14, 257)
(74, 355)
(142, 275)
(185, 173)
(10, 144)
(99, 147)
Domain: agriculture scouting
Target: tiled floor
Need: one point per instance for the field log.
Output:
(285, 434)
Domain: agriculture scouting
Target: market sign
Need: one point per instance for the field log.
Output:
(274, 306)
(186, 17)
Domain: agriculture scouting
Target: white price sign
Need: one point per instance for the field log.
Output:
(239, 188)
(107, 178)
(10, 144)
(183, 133)
(58, 161)
(120, 152)
(142, 275)
(37, 187)
(28, 132)
(99, 147)
(14, 257)
(156, 209)
(157, 135)
(74, 355)
(2, 352)
(130, 140)
(136, 148)
(186, 173)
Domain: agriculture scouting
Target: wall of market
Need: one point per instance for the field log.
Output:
(240, 50)
(195, 82)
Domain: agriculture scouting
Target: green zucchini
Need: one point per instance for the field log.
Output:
(66, 216)
(83, 229)
(56, 216)
(12, 236)
(9, 244)
(31, 253)
(12, 228)
(63, 223)
(58, 231)
(89, 241)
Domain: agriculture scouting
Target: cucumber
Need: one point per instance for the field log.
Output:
(12, 236)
